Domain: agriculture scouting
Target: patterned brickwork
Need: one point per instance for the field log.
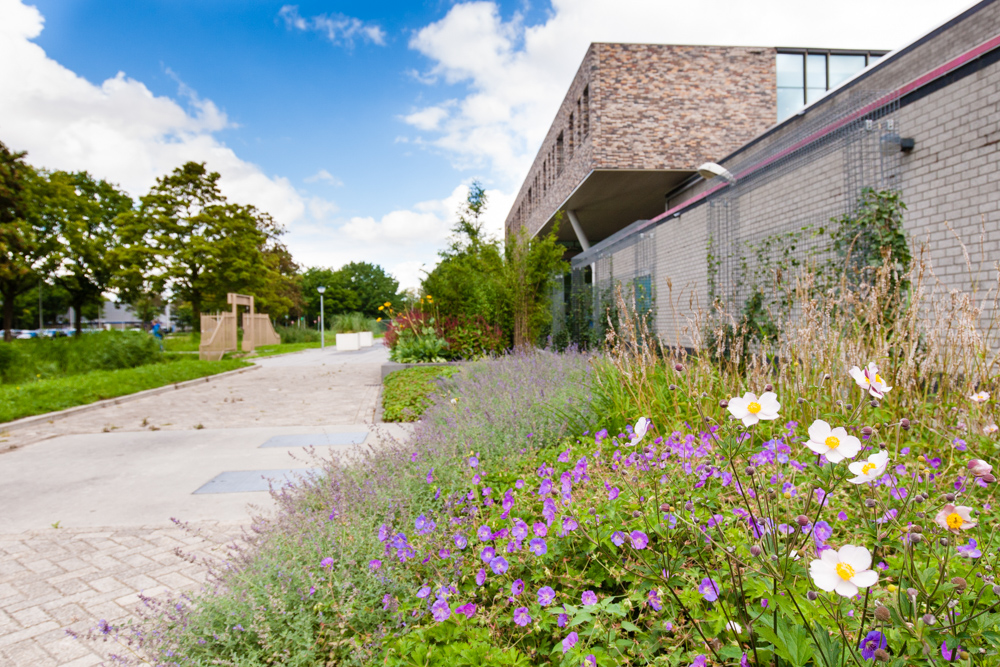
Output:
(647, 106)
(68, 579)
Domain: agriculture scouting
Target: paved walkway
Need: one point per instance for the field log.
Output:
(87, 501)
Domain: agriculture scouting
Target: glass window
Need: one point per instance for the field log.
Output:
(790, 100)
(844, 67)
(816, 71)
(790, 70)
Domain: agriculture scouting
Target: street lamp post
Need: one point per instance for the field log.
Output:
(322, 325)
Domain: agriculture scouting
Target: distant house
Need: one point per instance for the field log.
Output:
(114, 315)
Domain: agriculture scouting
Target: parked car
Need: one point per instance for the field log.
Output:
(26, 335)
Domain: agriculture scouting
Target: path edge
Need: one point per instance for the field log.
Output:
(108, 402)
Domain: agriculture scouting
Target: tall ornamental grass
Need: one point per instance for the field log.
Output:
(297, 590)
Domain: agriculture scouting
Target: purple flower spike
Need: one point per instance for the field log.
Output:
(521, 616)
(537, 546)
(326, 562)
(589, 597)
(517, 587)
(430, 476)
(499, 565)
(440, 610)
(570, 641)
(480, 577)
(709, 589)
(639, 539)
(546, 596)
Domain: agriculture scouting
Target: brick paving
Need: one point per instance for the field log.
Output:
(68, 579)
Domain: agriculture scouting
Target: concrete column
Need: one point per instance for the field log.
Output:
(578, 230)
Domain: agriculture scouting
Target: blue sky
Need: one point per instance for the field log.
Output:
(356, 124)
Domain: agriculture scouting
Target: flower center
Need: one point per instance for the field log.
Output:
(833, 442)
(878, 378)
(867, 468)
(954, 520)
(753, 408)
(845, 571)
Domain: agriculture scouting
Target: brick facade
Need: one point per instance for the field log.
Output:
(647, 106)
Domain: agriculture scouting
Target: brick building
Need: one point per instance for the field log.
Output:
(620, 159)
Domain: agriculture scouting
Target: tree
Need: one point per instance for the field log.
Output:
(26, 242)
(83, 213)
(186, 238)
(530, 264)
(338, 297)
(372, 285)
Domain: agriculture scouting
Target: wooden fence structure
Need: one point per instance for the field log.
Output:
(219, 331)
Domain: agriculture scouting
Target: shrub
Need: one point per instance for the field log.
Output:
(25, 361)
(407, 393)
(297, 334)
(421, 335)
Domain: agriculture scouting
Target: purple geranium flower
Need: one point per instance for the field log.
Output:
(950, 655)
(639, 539)
(468, 610)
(589, 597)
(700, 661)
(969, 550)
(326, 562)
(461, 542)
(546, 596)
(473, 461)
(430, 476)
(424, 592)
(709, 589)
(480, 577)
(562, 620)
(873, 641)
(537, 546)
(570, 641)
(521, 616)
(517, 587)
(520, 530)
(440, 610)
(488, 554)
(613, 493)
(374, 564)
(654, 601)
(484, 533)
(540, 529)
(569, 523)
(618, 537)
(499, 565)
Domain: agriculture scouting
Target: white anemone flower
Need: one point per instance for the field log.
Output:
(990, 429)
(834, 443)
(844, 571)
(751, 409)
(639, 430)
(869, 380)
(870, 470)
(734, 627)
(980, 397)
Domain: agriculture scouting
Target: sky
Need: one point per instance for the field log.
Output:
(357, 125)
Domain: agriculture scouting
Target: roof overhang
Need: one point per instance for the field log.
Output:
(608, 200)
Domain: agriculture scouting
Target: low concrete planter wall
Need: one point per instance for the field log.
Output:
(367, 338)
(391, 367)
(348, 342)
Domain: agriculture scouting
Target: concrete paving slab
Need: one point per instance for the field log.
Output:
(317, 439)
(242, 481)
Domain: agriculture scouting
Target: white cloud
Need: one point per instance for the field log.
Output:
(326, 177)
(517, 75)
(337, 28)
(428, 118)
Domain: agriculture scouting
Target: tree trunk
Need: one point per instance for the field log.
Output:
(196, 312)
(8, 317)
(77, 317)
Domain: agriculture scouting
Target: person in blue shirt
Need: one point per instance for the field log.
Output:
(158, 334)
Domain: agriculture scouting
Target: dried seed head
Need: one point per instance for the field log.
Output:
(802, 520)
(881, 655)
(904, 424)
(960, 583)
(882, 614)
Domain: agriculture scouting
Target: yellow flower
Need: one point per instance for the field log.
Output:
(381, 307)
(379, 319)
(387, 304)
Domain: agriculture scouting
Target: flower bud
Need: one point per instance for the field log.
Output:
(755, 550)
(849, 406)
(881, 655)
(826, 376)
(774, 558)
(800, 400)
(916, 529)
(996, 590)
(802, 520)
(748, 470)
(882, 614)
(689, 506)
(866, 431)
(679, 367)
(964, 655)
(812, 596)
(723, 403)
(873, 403)
(949, 497)
(672, 387)
(943, 541)
(904, 424)
(768, 387)
(960, 583)
(918, 498)
(928, 619)
(916, 537)
(869, 502)
(912, 592)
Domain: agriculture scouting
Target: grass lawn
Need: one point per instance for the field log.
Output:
(35, 398)
(407, 392)
(182, 342)
(284, 348)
